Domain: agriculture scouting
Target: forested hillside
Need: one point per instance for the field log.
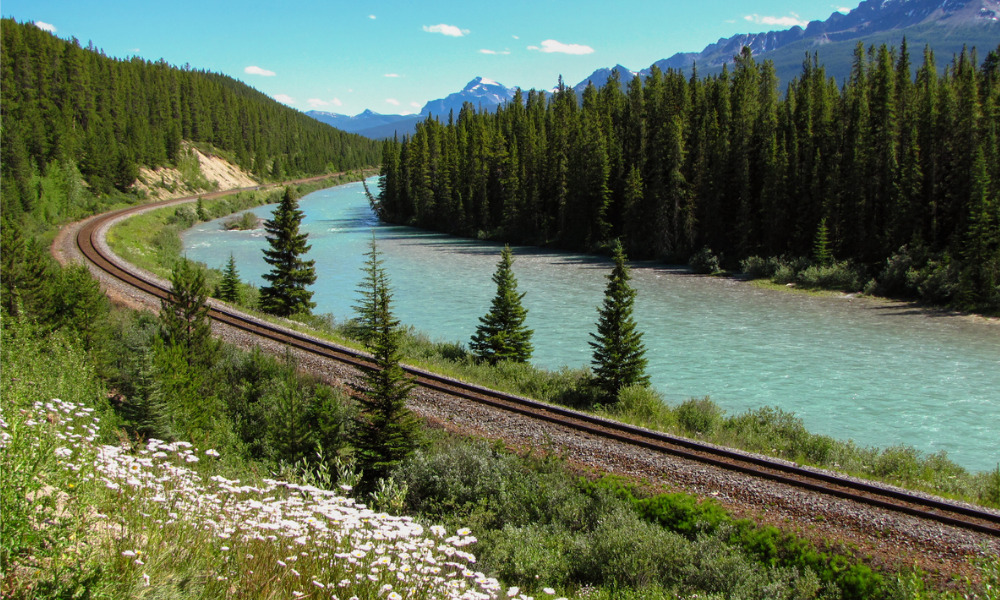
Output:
(898, 176)
(69, 111)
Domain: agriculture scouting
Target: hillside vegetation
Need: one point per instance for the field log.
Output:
(71, 113)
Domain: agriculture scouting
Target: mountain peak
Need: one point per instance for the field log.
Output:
(483, 93)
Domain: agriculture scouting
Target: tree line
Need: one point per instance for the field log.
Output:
(898, 167)
(70, 107)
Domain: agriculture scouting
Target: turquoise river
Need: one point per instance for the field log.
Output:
(878, 373)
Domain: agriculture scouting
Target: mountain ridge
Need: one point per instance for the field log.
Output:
(930, 22)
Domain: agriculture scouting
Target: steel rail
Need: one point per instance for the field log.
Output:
(956, 515)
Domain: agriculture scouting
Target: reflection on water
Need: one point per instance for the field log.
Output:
(880, 374)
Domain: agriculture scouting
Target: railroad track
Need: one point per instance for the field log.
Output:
(891, 499)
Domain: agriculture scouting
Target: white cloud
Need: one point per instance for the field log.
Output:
(45, 26)
(485, 51)
(515, 37)
(255, 70)
(449, 30)
(372, 17)
(392, 101)
(415, 104)
(319, 103)
(284, 98)
(789, 21)
(392, 75)
(842, 9)
(549, 46)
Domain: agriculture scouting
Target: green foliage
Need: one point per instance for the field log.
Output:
(184, 320)
(229, 288)
(699, 416)
(756, 267)
(732, 163)
(704, 262)
(821, 247)
(290, 273)
(24, 268)
(385, 432)
(243, 222)
(501, 334)
(366, 310)
(110, 116)
(619, 354)
(834, 276)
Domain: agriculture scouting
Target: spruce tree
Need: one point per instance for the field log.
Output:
(290, 274)
(619, 354)
(385, 431)
(229, 287)
(184, 322)
(501, 334)
(367, 308)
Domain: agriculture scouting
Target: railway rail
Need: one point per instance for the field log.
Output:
(892, 499)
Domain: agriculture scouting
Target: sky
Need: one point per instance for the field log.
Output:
(394, 56)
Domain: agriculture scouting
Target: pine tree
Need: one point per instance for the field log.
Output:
(367, 308)
(184, 321)
(229, 287)
(821, 247)
(619, 354)
(290, 274)
(501, 334)
(385, 431)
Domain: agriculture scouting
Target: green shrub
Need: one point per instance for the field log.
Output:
(704, 262)
(627, 551)
(643, 405)
(699, 416)
(936, 282)
(683, 513)
(756, 267)
(837, 276)
(529, 556)
(784, 274)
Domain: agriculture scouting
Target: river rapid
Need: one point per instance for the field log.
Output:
(875, 372)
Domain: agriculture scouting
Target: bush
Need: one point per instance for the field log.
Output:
(837, 276)
(704, 262)
(699, 416)
(527, 556)
(936, 282)
(626, 551)
(756, 267)
(643, 405)
(242, 222)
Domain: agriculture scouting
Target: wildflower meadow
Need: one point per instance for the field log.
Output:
(158, 516)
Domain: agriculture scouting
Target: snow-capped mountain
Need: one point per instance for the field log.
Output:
(484, 94)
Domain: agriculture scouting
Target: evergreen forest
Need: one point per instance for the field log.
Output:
(71, 112)
(892, 175)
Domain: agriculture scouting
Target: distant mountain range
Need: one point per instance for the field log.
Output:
(484, 94)
(943, 25)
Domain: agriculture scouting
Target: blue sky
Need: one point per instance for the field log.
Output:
(393, 56)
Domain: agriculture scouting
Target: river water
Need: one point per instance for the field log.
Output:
(877, 373)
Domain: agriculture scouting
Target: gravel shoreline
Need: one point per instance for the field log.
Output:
(885, 539)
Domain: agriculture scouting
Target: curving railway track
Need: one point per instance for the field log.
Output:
(932, 509)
